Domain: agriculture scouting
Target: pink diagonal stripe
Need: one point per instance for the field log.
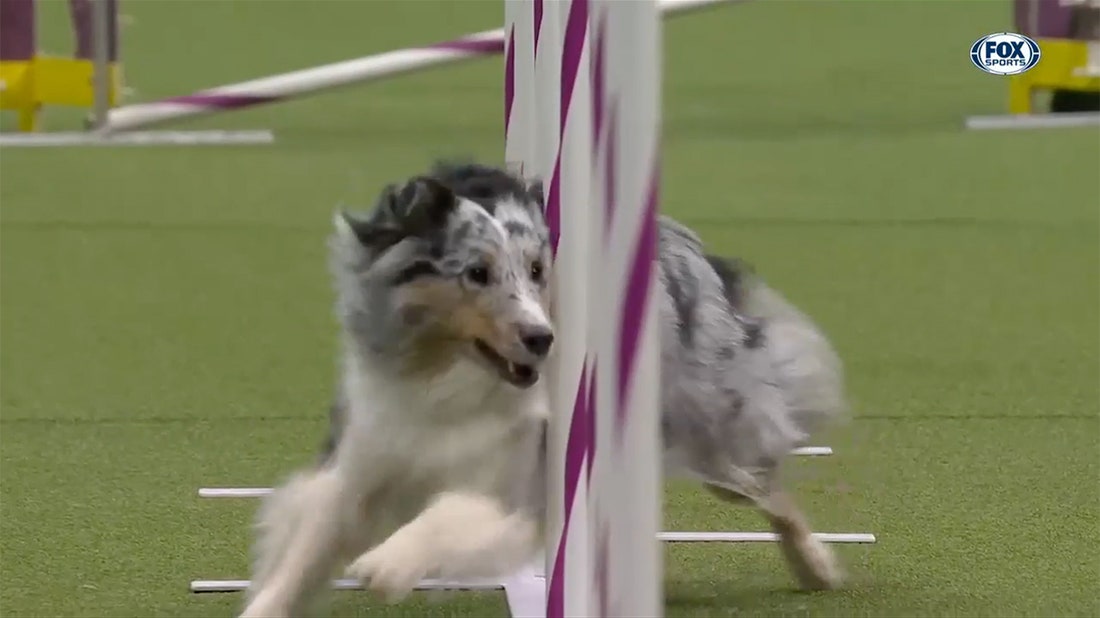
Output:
(610, 176)
(575, 448)
(553, 206)
(591, 411)
(578, 443)
(635, 304)
(509, 78)
(576, 29)
(599, 82)
(537, 23)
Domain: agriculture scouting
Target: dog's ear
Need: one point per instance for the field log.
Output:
(535, 192)
(423, 205)
(378, 230)
(420, 206)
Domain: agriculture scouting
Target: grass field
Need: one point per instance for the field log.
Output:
(166, 313)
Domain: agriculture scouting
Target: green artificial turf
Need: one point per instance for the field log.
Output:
(166, 314)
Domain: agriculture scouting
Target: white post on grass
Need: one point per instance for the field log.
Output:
(627, 477)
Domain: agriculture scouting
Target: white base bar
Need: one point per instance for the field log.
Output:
(1034, 121)
(234, 492)
(813, 451)
(535, 574)
(760, 537)
(137, 138)
(525, 591)
(240, 585)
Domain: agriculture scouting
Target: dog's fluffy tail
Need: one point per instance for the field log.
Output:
(811, 373)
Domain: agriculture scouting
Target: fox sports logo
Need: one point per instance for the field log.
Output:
(1005, 53)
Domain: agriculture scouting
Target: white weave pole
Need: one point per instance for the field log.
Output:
(519, 93)
(627, 476)
(566, 529)
(564, 161)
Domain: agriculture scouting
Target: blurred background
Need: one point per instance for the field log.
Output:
(166, 318)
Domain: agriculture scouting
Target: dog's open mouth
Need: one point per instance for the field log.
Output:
(522, 376)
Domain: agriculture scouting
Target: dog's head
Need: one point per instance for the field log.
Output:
(452, 263)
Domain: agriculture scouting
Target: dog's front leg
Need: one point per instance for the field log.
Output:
(457, 535)
(310, 552)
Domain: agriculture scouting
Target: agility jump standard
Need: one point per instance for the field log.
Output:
(314, 80)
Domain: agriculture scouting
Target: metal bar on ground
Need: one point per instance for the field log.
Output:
(760, 537)
(813, 451)
(1065, 120)
(521, 582)
(318, 79)
(240, 585)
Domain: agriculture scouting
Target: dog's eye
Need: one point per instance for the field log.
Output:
(478, 275)
(536, 272)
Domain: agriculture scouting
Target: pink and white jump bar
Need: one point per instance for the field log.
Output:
(314, 80)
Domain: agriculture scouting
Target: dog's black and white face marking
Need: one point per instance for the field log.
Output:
(457, 262)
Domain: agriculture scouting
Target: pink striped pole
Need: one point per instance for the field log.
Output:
(561, 160)
(568, 193)
(627, 474)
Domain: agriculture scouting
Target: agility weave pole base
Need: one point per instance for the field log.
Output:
(525, 591)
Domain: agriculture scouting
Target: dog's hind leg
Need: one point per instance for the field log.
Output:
(306, 521)
(812, 562)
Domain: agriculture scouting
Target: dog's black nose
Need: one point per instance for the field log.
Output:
(537, 340)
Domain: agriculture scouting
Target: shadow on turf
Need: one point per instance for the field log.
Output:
(715, 599)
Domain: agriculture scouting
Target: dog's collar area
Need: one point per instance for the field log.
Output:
(517, 374)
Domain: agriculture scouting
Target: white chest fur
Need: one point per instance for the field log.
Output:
(408, 440)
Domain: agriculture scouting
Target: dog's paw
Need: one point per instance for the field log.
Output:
(264, 606)
(393, 569)
(818, 569)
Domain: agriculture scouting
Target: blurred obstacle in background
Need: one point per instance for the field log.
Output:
(1068, 33)
(31, 79)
